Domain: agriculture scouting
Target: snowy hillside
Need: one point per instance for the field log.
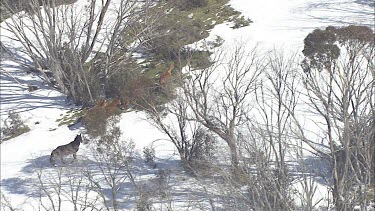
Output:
(279, 24)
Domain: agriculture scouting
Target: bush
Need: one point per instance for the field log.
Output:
(191, 4)
(14, 126)
(141, 92)
(240, 22)
(162, 182)
(118, 81)
(149, 154)
(144, 200)
(135, 88)
(95, 122)
(180, 33)
(204, 147)
(111, 147)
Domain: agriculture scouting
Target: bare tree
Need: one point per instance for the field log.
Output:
(276, 96)
(113, 158)
(6, 203)
(188, 136)
(220, 102)
(50, 186)
(307, 193)
(64, 38)
(265, 138)
(66, 187)
(78, 191)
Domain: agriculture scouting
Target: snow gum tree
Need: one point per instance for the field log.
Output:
(320, 49)
(342, 93)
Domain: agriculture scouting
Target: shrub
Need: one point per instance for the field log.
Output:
(179, 33)
(14, 126)
(135, 88)
(141, 92)
(95, 122)
(149, 154)
(117, 82)
(191, 4)
(241, 22)
(112, 147)
(203, 147)
(162, 181)
(144, 200)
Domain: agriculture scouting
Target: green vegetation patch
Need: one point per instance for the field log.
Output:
(13, 126)
(9, 7)
(183, 22)
(71, 117)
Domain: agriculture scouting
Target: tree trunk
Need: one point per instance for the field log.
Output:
(234, 156)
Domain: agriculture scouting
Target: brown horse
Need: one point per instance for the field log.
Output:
(112, 106)
(66, 149)
(101, 104)
(125, 102)
(97, 107)
(166, 76)
(103, 108)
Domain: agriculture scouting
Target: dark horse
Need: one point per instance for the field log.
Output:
(66, 149)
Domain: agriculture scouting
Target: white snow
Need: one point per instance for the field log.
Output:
(277, 23)
(285, 23)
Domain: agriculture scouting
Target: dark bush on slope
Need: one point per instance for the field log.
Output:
(190, 4)
(14, 126)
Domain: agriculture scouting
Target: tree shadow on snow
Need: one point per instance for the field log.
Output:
(23, 186)
(29, 184)
(369, 3)
(346, 9)
(15, 81)
(166, 179)
(15, 94)
(147, 177)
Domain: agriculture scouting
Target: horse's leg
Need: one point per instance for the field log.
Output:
(74, 157)
(52, 161)
(62, 160)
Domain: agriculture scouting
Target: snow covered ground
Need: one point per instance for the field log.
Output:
(277, 23)
(285, 23)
